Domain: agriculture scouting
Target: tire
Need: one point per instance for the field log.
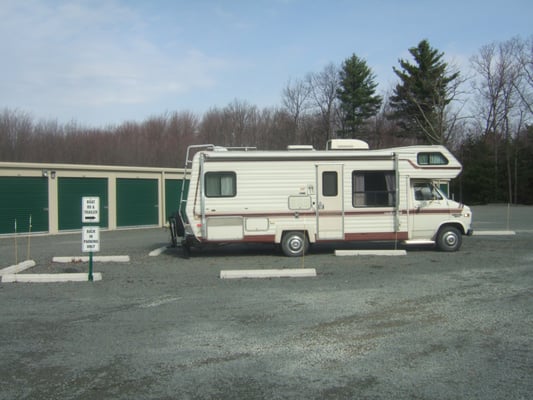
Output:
(185, 249)
(449, 239)
(180, 228)
(294, 243)
(177, 229)
(173, 234)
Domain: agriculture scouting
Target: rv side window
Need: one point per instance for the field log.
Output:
(432, 159)
(220, 184)
(373, 189)
(329, 184)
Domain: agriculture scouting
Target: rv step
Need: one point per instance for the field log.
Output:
(418, 242)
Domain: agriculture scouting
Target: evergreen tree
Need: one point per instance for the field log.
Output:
(419, 101)
(357, 95)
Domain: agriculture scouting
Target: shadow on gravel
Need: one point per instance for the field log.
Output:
(258, 249)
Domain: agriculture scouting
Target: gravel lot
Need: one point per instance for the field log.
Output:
(428, 325)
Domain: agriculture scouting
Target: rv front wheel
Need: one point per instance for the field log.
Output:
(449, 239)
(294, 244)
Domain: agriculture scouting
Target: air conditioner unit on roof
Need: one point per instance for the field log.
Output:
(347, 144)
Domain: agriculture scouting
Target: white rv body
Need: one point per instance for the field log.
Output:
(303, 196)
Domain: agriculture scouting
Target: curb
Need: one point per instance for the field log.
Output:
(77, 259)
(493, 233)
(13, 269)
(157, 252)
(268, 273)
(370, 252)
(48, 278)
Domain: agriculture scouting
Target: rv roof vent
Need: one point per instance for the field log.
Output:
(347, 144)
(300, 147)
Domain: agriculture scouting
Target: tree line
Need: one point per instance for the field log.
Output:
(483, 115)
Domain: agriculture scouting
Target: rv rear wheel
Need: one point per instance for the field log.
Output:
(449, 239)
(294, 244)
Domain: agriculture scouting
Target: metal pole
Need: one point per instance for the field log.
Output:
(508, 216)
(29, 239)
(90, 266)
(16, 249)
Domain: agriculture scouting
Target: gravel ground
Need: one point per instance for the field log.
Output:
(428, 325)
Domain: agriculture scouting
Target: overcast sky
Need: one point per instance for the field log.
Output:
(101, 62)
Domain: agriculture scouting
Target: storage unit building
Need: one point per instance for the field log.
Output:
(51, 194)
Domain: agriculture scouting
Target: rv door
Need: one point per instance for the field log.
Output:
(429, 210)
(329, 204)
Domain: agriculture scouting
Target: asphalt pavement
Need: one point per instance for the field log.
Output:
(427, 325)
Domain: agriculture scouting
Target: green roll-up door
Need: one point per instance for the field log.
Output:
(21, 198)
(137, 202)
(70, 192)
(172, 194)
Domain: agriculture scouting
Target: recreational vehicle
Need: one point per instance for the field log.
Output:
(302, 196)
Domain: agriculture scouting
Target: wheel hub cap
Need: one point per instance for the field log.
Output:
(450, 239)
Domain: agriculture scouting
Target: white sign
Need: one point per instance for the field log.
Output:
(90, 209)
(90, 239)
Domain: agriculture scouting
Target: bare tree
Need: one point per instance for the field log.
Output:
(499, 100)
(212, 127)
(295, 99)
(524, 56)
(239, 118)
(278, 131)
(16, 128)
(323, 91)
(385, 131)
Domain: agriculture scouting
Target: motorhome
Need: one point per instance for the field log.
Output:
(300, 196)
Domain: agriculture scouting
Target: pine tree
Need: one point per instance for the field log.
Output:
(419, 101)
(357, 95)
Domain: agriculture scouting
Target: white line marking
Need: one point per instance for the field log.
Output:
(160, 302)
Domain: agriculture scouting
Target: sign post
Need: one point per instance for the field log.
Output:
(90, 244)
(90, 213)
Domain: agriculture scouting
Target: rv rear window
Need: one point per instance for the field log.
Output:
(373, 189)
(432, 159)
(220, 184)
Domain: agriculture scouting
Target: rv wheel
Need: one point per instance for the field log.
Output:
(449, 239)
(294, 244)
